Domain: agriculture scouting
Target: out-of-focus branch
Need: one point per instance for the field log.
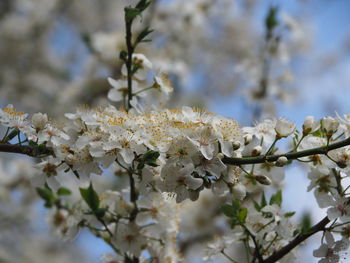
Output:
(320, 226)
(24, 149)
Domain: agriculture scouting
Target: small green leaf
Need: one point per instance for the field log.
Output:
(276, 198)
(305, 223)
(242, 215)
(47, 195)
(256, 206)
(142, 5)
(236, 205)
(263, 201)
(140, 166)
(90, 197)
(151, 155)
(131, 13)
(228, 210)
(153, 164)
(289, 214)
(63, 191)
(271, 19)
(123, 55)
(144, 33)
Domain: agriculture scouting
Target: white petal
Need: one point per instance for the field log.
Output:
(115, 95)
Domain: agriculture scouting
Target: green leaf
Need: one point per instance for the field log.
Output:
(153, 164)
(271, 19)
(256, 206)
(289, 214)
(306, 223)
(63, 191)
(47, 195)
(144, 33)
(236, 205)
(276, 198)
(90, 197)
(131, 13)
(123, 55)
(242, 215)
(151, 155)
(150, 158)
(142, 5)
(263, 201)
(140, 166)
(12, 135)
(228, 210)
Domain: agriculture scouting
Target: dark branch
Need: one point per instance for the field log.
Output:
(290, 155)
(320, 226)
(24, 149)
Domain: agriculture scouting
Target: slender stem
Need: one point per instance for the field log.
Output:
(130, 48)
(142, 90)
(272, 145)
(320, 226)
(291, 155)
(7, 132)
(296, 146)
(228, 257)
(133, 196)
(257, 246)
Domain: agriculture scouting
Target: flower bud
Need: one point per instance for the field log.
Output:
(256, 150)
(247, 139)
(236, 145)
(39, 121)
(342, 164)
(284, 128)
(239, 191)
(220, 155)
(281, 161)
(330, 125)
(262, 179)
(310, 125)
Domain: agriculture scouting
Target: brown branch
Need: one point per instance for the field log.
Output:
(290, 155)
(24, 149)
(320, 226)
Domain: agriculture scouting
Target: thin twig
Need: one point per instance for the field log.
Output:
(290, 156)
(320, 226)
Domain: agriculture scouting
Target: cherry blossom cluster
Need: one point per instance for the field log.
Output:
(173, 155)
(182, 162)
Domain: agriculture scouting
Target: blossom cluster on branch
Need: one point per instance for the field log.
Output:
(171, 158)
